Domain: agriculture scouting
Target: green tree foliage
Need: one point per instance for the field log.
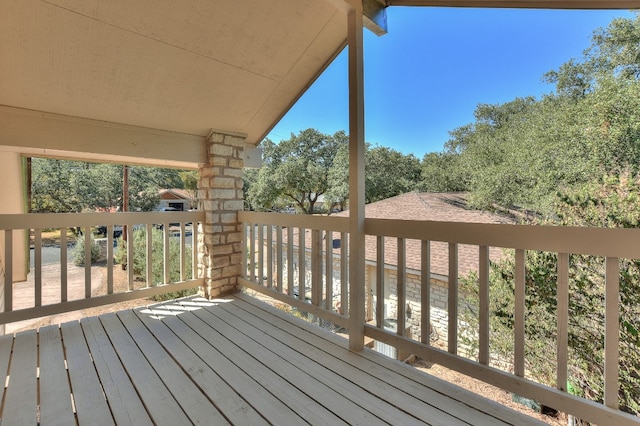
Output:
(610, 202)
(575, 156)
(521, 152)
(441, 172)
(388, 173)
(62, 186)
(295, 171)
(157, 261)
(78, 251)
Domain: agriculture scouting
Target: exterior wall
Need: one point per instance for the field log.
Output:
(12, 202)
(439, 317)
(220, 197)
(336, 284)
(163, 204)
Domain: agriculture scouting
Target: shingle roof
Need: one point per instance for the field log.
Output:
(175, 193)
(449, 207)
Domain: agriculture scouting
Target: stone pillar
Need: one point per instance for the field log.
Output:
(220, 197)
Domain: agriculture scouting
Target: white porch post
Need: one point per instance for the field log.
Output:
(356, 179)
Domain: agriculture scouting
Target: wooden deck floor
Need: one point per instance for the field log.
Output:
(236, 361)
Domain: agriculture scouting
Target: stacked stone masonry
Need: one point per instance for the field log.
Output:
(220, 197)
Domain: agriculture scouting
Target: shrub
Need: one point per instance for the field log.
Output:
(78, 251)
(157, 260)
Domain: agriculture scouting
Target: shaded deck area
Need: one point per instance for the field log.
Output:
(236, 360)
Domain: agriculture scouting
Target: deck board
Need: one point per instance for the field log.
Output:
(193, 401)
(269, 406)
(363, 381)
(21, 395)
(387, 383)
(124, 401)
(266, 384)
(159, 401)
(55, 393)
(236, 361)
(231, 404)
(90, 405)
(356, 405)
(6, 346)
(302, 376)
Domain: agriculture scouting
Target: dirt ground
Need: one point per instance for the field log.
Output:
(120, 284)
(481, 388)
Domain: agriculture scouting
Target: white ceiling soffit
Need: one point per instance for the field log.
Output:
(526, 4)
(181, 66)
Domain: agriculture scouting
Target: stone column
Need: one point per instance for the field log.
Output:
(220, 197)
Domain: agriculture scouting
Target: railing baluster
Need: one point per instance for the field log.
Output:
(612, 331)
(344, 273)
(8, 270)
(279, 258)
(329, 270)
(519, 312)
(110, 253)
(425, 292)
(401, 286)
(252, 252)
(260, 248)
(37, 251)
(149, 259)
(563, 321)
(316, 267)
(165, 248)
(245, 250)
(195, 249)
(453, 299)
(63, 265)
(182, 252)
(87, 262)
(290, 261)
(483, 305)
(301, 263)
(270, 256)
(380, 282)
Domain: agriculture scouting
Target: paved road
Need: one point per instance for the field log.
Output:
(51, 254)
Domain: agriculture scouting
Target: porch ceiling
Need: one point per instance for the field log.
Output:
(182, 66)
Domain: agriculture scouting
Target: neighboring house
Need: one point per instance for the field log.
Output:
(445, 207)
(176, 198)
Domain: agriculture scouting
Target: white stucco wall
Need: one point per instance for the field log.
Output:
(13, 202)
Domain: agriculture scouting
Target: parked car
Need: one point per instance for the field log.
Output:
(102, 230)
(168, 209)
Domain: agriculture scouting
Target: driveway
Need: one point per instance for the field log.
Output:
(23, 292)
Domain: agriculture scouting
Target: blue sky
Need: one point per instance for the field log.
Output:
(428, 74)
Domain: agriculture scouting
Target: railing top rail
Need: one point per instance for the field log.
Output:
(58, 220)
(611, 242)
(329, 223)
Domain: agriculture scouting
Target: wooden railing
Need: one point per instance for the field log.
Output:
(172, 224)
(285, 258)
(277, 243)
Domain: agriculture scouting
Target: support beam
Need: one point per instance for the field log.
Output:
(523, 4)
(356, 181)
(375, 16)
(41, 134)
